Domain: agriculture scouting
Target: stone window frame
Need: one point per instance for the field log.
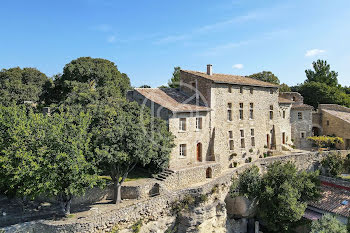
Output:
(271, 91)
(182, 124)
(251, 90)
(271, 112)
(242, 138)
(231, 142)
(241, 112)
(199, 123)
(327, 122)
(229, 112)
(251, 111)
(252, 137)
(302, 134)
(229, 89)
(241, 90)
(300, 115)
(284, 114)
(182, 150)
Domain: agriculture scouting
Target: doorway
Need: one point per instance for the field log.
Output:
(208, 173)
(199, 152)
(268, 140)
(283, 138)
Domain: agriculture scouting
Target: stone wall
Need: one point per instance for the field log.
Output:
(159, 207)
(300, 126)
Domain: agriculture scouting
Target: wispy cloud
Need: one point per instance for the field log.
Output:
(111, 39)
(314, 52)
(238, 66)
(103, 28)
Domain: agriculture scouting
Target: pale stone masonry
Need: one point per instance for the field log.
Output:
(225, 120)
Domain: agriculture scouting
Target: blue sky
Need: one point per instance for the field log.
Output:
(146, 39)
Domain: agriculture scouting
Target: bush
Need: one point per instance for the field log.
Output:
(235, 164)
(251, 150)
(249, 159)
(328, 224)
(325, 141)
(333, 164)
(137, 226)
(248, 184)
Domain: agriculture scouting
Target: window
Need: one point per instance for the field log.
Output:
(198, 123)
(327, 122)
(300, 115)
(182, 150)
(193, 84)
(251, 90)
(284, 114)
(271, 112)
(302, 135)
(229, 89)
(251, 111)
(182, 124)
(252, 138)
(271, 91)
(231, 143)
(241, 111)
(293, 98)
(229, 111)
(241, 90)
(242, 138)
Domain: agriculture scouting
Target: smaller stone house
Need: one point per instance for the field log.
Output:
(333, 120)
(300, 119)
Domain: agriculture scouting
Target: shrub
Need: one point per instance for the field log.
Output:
(329, 224)
(265, 155)
(215, 189)
(265, 146)
(203, 197)
(248, 183)
(325, 141)
(235, 164)
(249, 159)
(333, 164)
(251, 150)
(137, 226)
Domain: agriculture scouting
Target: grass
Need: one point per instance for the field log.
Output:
(136, 174)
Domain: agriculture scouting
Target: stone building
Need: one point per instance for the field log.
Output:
(300, 119)
(332, 120)
(222, 120)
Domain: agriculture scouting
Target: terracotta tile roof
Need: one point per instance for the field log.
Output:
(172, 99)
(233, 79)
(345, 116)
(284, 100)
(331, 200)
(302, 106)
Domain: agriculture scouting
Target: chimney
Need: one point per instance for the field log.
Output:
(209, 69)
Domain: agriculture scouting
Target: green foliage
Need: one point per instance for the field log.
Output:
(145, 86)
(124, 135)
(97, 74)
(326, 141)
(174, 82)
(251, 150)
(248, 184)
(315, 93)
(183, 204)
(136, 227)
(285, 88)
(328, 224)
(322, 74)
(266, 76)
(333, 164)
(203, 197)
(284, 195)
(18, 85)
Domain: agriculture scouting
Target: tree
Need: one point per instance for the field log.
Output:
(248, 185)
(45, 155)
(100, 74)
(328, 224)
(126, 135)
(322, 74)
(266, 76)
(333, 164)
(19, 85)
(315, 93)
(145, 86)
(174, 82)
(285, 88)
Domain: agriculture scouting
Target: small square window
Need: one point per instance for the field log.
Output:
(230, 134)
(241, 90)
(252, 139)
(271, 107)
(327, 122)
(300, 115)
(231, 144)
(302, 135)
(240, 105)
(284, 114)
(271, 91)
(229, 115)
(229, 89)
(241, 114)
(242, 143)
(252, 132)
(182, 150)
(251, 105)
(251, 90)
(229, 105)
(242, 133)
(182, 124)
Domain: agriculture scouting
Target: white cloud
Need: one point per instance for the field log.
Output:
(314, 52)
(111, 39)
(238, 66)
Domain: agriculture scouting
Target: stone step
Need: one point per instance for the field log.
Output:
(168, 170)
(159, 178)
(162, 176)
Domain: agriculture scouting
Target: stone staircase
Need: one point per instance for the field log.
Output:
(163, 175)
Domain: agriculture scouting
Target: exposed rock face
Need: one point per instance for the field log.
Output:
(240, 207)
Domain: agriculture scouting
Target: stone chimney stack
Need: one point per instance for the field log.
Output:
(209, 69)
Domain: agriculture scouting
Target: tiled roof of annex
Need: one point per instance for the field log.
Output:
(231, 79)
(173, 99)
(345, 116)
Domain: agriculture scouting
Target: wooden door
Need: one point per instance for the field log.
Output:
(199, 152)
(268, 141)
(283, 138)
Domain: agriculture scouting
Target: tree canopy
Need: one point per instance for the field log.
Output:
(18, 85)
(322, 74)
(266, 76)
(284, 88)
(174, 82)
(328, 224)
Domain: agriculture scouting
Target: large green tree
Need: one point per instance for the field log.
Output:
(18, 85)
(266, 76)
(45, 155)
(98, 74)
(282, 193)
(174, 82)
(328, 224)
(322, 74)
(126, 135)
